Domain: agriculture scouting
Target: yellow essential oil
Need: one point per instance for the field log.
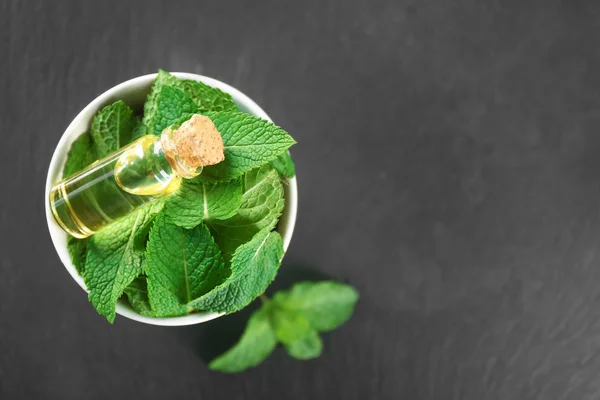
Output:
(113, 187)
(141, 172)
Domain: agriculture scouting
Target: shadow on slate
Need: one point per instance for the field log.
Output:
(215, 337)
(212, 338)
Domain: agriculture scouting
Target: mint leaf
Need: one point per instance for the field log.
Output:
(137, 295)
(249, 142)
(112, 128)
(77, 249)
(197, 201)
(150, 105)
(289, 326)
(294, 331)
(284, 165)
(326, 305)
(182, 265)
(253, 267)
(256, 344)
(142, 235)
(164, 303)
(172, 105)
(112, 261)
(81, 155)
(262, 204)
(307, 347)
(206, 98)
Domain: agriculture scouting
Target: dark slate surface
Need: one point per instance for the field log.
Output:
(448, 168)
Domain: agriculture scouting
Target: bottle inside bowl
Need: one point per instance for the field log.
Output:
(141, 172)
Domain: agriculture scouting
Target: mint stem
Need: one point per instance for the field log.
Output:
(263, 298)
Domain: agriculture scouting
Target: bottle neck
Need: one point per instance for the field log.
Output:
(182, 168)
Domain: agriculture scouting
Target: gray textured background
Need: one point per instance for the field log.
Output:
(448, 168)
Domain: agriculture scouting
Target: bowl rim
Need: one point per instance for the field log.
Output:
(74, 130)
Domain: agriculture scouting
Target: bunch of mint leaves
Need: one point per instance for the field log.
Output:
(212, 246)
(293, 318)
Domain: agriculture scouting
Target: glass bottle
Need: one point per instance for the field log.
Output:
(143, 171)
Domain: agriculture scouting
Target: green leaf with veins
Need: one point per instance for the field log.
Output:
(112, 260)
(112, 128)
(164, 303)
(249, 142)
(198, 201)
(182, 265)
(205, 98)
(253, 267)
(289, 326)
(256, 344)
(137, 295)
(307, 347)
(80, 156)
(293, 330)
(284, 165)
(142, 235)
(261, 206)
(326, 305)
(77, 249)
(172, 106)
(292, 317)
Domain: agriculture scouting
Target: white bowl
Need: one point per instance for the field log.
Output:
(133, 92)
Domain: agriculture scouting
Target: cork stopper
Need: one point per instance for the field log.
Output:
(197, 143)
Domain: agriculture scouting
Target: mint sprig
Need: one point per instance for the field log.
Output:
(292, 318)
